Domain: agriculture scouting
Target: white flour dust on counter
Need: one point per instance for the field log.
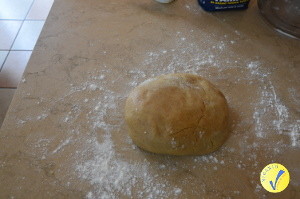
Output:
(101, 158)
(111, 175)
(96, 159)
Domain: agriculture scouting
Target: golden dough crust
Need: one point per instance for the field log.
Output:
(177, 114)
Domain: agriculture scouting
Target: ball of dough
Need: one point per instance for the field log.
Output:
(177, 114)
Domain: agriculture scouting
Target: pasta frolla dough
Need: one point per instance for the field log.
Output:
(177, 114)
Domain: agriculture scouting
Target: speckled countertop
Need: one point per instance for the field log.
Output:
(64, 135)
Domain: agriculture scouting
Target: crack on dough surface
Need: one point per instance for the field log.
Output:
(203, 111)
(178, 132)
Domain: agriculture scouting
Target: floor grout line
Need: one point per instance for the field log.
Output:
(17, 34)
(4, 60)
(21, 25)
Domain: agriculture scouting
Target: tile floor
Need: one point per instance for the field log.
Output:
(21, 22)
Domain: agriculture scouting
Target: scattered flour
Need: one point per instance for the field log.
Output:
(93, 87)
(64, 143)
(42, 116)
(295, 134)
(99, 161)
(112, 175)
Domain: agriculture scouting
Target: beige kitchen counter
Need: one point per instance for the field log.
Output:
(64, 135)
